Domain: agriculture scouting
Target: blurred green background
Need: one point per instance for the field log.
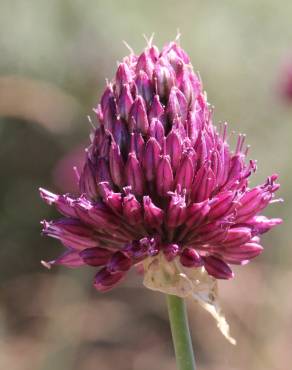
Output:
(54, 58)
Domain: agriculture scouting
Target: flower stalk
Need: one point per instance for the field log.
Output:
(181, 337)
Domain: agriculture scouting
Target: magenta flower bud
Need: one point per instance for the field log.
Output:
(222, 205)
(153, 215)
(120, 135)
(138, 116)
(96, 256)
(171, 251)
(102, 150)
(102, 172)
(104, 280)
(174, 148)
(87, 182)
(164, 79)
(209, 233)
(145, 63)
(177, 105)
(144, 86)
(177, 64)
(109, 109)
(217, 267)
(137, 145)
(125, 102)
(191, 258)
(132, 209)
(119, 262)
(189, 85)
(134, 174)
(164, 176)
(262, 224)
(105, 99)
(110, 198)
(160, 178)
(154, 53)
(237, 236)
(196, 213)
(185, 174)
(234, 172)
(151, 158)
(157, 131)
(204, 183)
(174, 47)
(177, 210)
(156, 110)
(123, 77)
(252, 202)
(242, 252)
(98, 213)
(116, 165)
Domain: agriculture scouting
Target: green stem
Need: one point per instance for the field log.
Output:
(180, 333)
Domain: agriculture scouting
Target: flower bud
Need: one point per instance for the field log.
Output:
(117, 167)
(144, 87)
(217, 268)
(242, 252)
(156, 109)
(164, 79)
(104, 280)
(237, 236)
(151, 158)
(119, 262)
(176, 212)
(138, 116)
(174, 148)
(125, 102)
(96, 256)
(87, 182)
(164, 176)
(153, 215)
(132, 209)
(123, 77)
(157, 131)
(135, 177)
(191, 258)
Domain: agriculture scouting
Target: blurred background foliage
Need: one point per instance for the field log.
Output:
(54, 58)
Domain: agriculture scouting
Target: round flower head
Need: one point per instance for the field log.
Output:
(160, 180)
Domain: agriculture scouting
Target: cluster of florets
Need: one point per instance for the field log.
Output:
(160, 178)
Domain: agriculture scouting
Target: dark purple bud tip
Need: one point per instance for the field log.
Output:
(217, 268)
(105, 280)
(191, 258)
(119, 262)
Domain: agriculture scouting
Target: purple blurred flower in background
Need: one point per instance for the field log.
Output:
(159, 178)
(285, 80)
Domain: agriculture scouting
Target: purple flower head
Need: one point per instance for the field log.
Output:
(160, 180)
